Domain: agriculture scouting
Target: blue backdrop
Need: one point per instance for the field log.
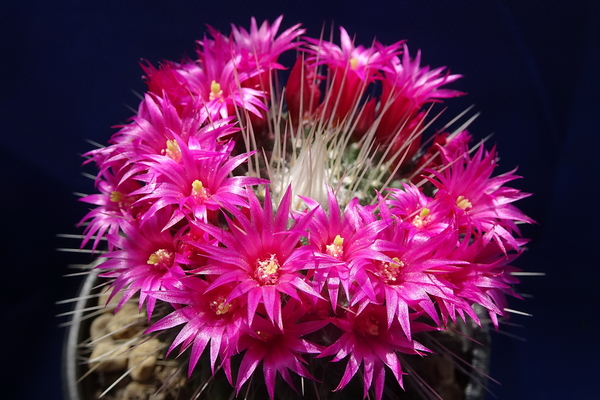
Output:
(531, 68)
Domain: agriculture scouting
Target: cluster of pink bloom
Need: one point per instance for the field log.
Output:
(187, 226)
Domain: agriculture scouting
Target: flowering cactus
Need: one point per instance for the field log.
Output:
(265, 215)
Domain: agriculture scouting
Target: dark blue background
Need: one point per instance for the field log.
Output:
(531, 67)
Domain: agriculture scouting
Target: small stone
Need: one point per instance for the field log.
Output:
(142, 359)
(108, 356)
(109, 306)
(138, 391)
(127, 322)
(99, 328)
(171, 375)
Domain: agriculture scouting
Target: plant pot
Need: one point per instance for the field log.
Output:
(443, 372)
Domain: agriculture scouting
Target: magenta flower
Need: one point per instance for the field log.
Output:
(196, 182)
(114, 207)
(342, 245)
(260, 48)
(252, 282)
(406, 283)
(477, 200)
(147, 260)
(367, 340)
(217, 80)
(485, 277)
(208, 317)
(279, 349)
(352, 69)
(406, 88)
(416, 212)
(158, 123)
(261, 256)
(212, 85)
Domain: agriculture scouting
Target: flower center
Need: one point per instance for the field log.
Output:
(219, 306)
(353, 62)
(161, 257)
(215, 91)
(116, 197)
(367, 325)
(122, 200)
(420, 220)
(336, 249)
(391, 271)
(267, 270)
(264, 335)
(199, 191)
(463, 203)
(173, 151)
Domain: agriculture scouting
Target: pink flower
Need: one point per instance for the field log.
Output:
(367, 340)
(196, 182)
(406, 283)
(153, 132)
(416, 212)
(476, 199)
(279, 349)
(406, 87)
(212, 84)
(260, 255)
(208, 317)
(147, 260)
(302, 91)
(114, 207)
(352, 68)
(342, 245)
(260, 48)
(485, 277)
(158, 122)
(218, 81)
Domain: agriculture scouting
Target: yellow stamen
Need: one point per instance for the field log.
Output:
(390, 271)
(463, 203)
(197, 186)
(116, 197)
(198, 190)
(173, 151)
(215, 90)
(419, 220)
(271, 268)
(161, 256)
(353, 62)
(266, 270)
(338, 241)
(336, 249)
(219, 306)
